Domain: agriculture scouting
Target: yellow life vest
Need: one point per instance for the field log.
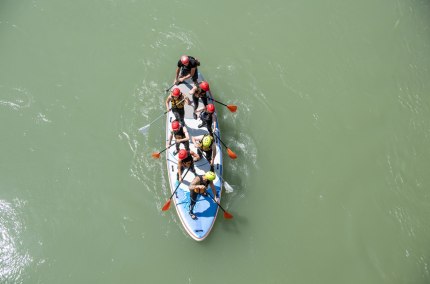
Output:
(177, 102)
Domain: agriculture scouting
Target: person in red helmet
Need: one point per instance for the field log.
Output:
(186, 159)
(187, 68)
(208, 117)
(177, 101)
(181, 136)
(199, 92)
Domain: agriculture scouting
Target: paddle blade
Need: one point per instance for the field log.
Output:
(144, 129)
(166, 206)
(156, 155)
(231, 154)
(227, 215)
(228, 188)
(232, 108)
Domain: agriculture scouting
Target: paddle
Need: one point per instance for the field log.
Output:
(173, 85)
(226, 214)
(232, 108)
(228, 187)
(166, 205)
(144, 129)
(156, 155)
(231, 154)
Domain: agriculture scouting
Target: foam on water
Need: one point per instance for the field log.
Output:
(14, 258)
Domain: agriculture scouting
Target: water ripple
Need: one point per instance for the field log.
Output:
(13, 258)
(15, 98)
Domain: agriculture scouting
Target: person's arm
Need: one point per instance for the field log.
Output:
(167, 102)
(213, 121)
(213, 154)
(193, 90)
(193, 71)
(196, 140)
(187, 136)
(177, 75)
(170, 140)
(189, 75)
(188, 101)
(182, 79)
(199, 110)
(195, 156)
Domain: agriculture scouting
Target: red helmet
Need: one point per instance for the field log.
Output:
(204, 86)
(185, 59)
(176, 92)
(210, 108)
(182, 154)
(175, 125)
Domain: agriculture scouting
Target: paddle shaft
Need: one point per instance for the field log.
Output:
(170, 87)
(178, 184)
(220, 140)
(164, 113)
(219, 102)
(216, 202)
(166, 148)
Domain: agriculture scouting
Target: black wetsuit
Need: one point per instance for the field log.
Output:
(199, 94)
(206, 118)
(180, 134)
(185, 70)
(178, 108)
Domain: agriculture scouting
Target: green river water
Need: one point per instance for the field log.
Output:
(332, 132)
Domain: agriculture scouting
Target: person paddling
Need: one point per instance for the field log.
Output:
(205, 145)
(198, 186)
(199, 92)
(186, 159)
(177, 101)
(181, 136)
(208, 117)
(187, 68)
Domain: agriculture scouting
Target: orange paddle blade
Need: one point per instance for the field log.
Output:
(156, 155)
(227, 215)
(231, 154)
(232, 108)
(166, 206)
